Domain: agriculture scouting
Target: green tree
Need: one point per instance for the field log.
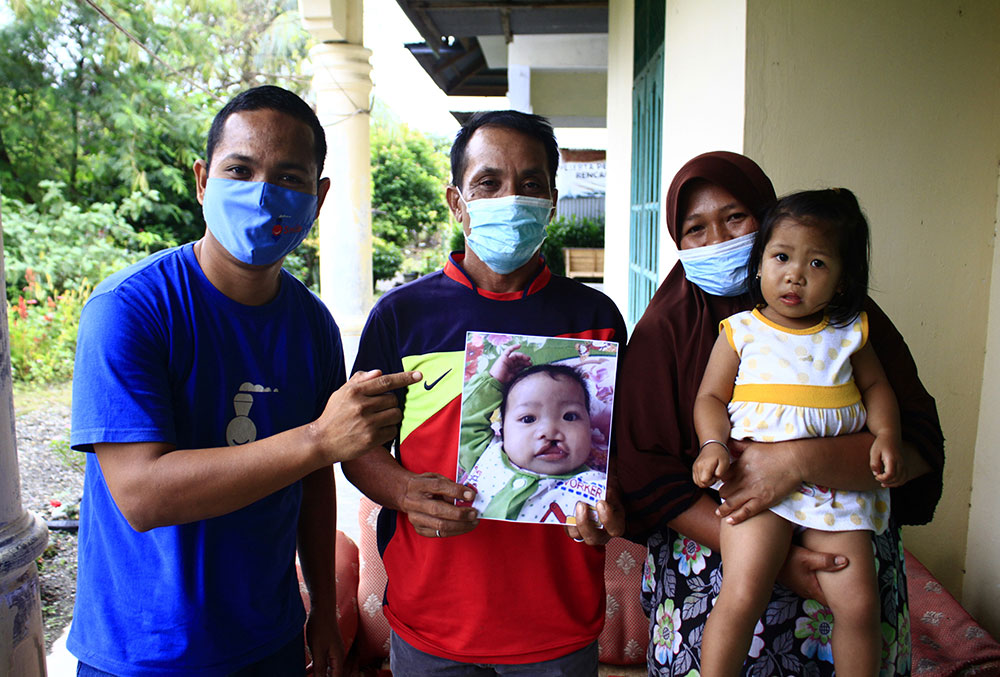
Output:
(83, 104)
(409, 173)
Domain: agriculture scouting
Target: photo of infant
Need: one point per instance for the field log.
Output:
(536, 421)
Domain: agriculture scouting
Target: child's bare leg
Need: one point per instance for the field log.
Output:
(752, 554)
(853, 596)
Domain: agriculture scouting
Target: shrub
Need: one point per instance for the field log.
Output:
(65, 244)
(303, 262)
(43, 328)
(387, 259)
(570, 231)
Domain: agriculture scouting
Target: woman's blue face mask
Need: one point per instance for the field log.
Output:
(257, 222)
(719, 269)
(506, 232)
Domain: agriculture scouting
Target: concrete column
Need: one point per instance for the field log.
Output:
(342, 85)
(22, 539)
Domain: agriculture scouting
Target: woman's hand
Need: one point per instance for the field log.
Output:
(759, 478)
(798, 573)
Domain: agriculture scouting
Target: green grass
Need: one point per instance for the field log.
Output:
(28, 398)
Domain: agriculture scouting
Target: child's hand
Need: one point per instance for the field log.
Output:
(887, 461)
(711, 464)
(509, 364)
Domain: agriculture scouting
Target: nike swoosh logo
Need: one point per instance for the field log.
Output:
(428, 386)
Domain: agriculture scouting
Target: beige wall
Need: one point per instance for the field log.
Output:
(702, 110)
(899, 101)
(569, 94)
(619, 114)
(703, 107)
(981, 593)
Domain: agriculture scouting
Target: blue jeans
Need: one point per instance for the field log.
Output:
(407, 661)
(288, 661)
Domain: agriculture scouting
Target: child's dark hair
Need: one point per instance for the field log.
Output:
(553, 371)
(838, 211)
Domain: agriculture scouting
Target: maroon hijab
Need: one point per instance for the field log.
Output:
(666, 357)
(662, 369)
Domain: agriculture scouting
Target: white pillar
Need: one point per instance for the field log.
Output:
(22, 539)
(342, 84)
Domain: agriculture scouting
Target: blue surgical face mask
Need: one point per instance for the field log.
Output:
(257, 222)
(506, 232)
(719, 269)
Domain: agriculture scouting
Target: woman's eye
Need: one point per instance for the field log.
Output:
(696, 228)
(736, 216)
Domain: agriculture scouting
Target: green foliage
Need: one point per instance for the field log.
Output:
(43, 327)
(82, 104)
(387, 258)
(409, 173)
(55, 245)
(304, 261)
(73, 460)
(456, 238)
(571, 231)
(65, 244)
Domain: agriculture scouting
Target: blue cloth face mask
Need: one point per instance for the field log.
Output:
(506, 232)
(258, 223)
(719, 269)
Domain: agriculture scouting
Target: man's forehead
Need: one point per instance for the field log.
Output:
(264, 130)
(504, 141)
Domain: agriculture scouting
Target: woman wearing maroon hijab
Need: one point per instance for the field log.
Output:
(713, 208)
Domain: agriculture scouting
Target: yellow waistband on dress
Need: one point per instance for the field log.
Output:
(795, 395)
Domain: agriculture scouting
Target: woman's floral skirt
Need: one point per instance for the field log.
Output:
(681, 580)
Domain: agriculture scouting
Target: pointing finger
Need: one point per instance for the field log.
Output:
(386, 382)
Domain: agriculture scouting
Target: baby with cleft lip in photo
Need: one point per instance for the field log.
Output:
(537, 470)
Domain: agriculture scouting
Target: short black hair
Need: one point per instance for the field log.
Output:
(836, 210)
(553, 371)
(532, 125)
(270, 97)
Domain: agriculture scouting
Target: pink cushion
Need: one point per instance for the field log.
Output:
(625, 635)
(946, 639)
(347, 585)
(373, 638)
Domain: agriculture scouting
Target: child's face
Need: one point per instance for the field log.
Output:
(546, 427)
(799, 273)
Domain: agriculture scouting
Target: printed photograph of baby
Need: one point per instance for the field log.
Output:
(536, 423)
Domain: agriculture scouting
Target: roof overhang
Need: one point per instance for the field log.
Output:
(452, 54)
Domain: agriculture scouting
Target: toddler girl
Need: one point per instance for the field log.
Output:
(799, 366)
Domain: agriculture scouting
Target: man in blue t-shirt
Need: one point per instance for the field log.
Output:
(210, 390)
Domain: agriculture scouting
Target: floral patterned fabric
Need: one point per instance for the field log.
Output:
(681, 580)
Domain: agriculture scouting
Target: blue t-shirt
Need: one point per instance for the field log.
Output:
(163, 356)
